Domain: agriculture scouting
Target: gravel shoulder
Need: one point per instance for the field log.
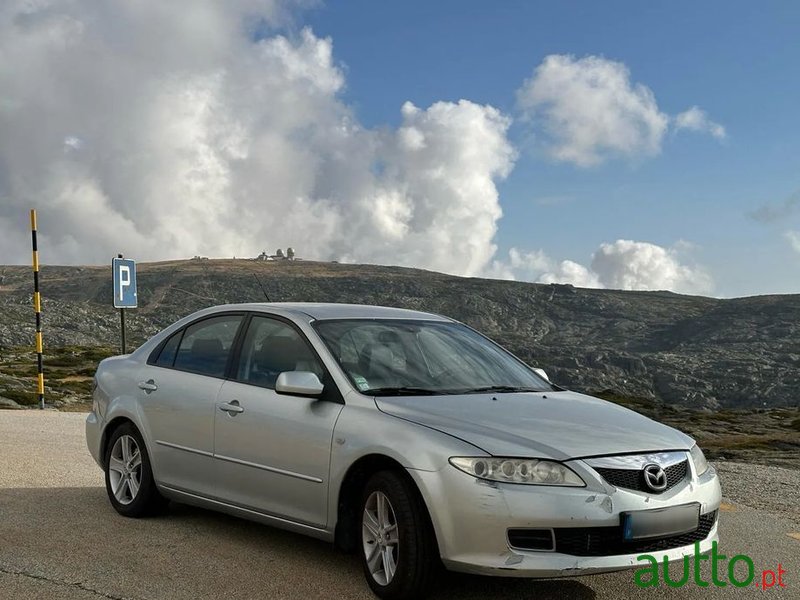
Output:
(775, 490)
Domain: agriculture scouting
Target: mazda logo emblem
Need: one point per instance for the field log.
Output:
(655, 478)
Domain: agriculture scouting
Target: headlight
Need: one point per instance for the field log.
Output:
(699, 460)
(529, 471)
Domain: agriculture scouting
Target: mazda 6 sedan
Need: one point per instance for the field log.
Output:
(406, 437)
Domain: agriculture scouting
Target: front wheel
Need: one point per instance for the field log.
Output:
(399, 553)
(129, 476)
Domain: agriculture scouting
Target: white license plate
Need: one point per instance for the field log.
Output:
(660, 522)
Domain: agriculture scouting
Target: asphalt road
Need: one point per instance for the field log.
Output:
(60, 538)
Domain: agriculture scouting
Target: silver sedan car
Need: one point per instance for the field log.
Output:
(404, 436)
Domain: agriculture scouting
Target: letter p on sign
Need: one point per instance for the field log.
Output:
(124, 280)
(124, 272)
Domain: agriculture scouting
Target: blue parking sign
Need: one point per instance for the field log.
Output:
(124, 282)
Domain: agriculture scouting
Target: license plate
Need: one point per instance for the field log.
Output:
(660, 522)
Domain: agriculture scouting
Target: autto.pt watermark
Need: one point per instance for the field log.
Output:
(738, 571)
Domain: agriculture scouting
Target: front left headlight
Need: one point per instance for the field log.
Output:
(530, 471)
(699, 460)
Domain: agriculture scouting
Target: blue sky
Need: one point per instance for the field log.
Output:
(737, 60)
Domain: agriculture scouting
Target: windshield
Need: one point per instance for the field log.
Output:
(387, 357)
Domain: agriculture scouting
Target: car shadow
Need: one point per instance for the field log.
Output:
(73, 534)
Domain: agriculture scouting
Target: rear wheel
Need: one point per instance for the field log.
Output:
(398, 549)
(129, 476)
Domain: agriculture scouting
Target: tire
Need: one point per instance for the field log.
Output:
(129, 476)
(401, 533)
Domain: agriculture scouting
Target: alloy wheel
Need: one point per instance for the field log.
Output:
(380, 538)
(125, 469)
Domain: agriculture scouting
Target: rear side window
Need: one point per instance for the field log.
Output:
(206, 345)
(166, 358)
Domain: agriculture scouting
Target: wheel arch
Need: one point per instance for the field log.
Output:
(348, 502)
(110, 428)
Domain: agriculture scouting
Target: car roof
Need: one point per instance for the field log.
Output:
(331, 310)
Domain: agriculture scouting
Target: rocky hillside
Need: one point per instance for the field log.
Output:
(680, 350)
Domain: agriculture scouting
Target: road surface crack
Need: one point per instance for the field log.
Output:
(72, 584)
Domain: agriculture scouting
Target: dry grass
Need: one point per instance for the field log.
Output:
(68, 371)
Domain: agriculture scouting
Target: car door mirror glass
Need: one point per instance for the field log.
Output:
(299, 383)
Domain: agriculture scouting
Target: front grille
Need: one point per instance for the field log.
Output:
(633, 479)
(608, 541)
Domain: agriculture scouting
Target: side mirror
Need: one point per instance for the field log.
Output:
(542, 373)
(298, 383)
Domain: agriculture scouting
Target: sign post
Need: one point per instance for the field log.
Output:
(37, 307)
(124, 274)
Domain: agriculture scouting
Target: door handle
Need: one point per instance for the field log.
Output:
(148, 386)
(232, 408)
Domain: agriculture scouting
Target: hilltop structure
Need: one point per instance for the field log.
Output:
(279, 255)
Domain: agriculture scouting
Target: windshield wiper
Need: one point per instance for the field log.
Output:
(499, 389)
(402, 391)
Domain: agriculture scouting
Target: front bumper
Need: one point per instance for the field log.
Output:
(517, 563)
(471, 519)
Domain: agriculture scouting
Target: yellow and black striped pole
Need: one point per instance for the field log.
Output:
(37, 306)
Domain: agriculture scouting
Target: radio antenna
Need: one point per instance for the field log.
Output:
(262, 287)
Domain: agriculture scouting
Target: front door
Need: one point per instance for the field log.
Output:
(272, 451)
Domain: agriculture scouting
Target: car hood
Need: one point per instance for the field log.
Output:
(556, 425)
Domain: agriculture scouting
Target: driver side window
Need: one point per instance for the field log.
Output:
(270, 348)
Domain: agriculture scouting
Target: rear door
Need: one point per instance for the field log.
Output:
(272, 451)
(178, 390)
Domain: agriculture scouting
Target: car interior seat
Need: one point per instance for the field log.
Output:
(208, 356)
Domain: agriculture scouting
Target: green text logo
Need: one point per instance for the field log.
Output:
(721, 575)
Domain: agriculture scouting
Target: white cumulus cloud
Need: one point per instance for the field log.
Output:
(696, 119)
(519, 265)
(793, 237)
(623, 264)
(568, 271)
(629, 265)
(589, 111)
(164, 129)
